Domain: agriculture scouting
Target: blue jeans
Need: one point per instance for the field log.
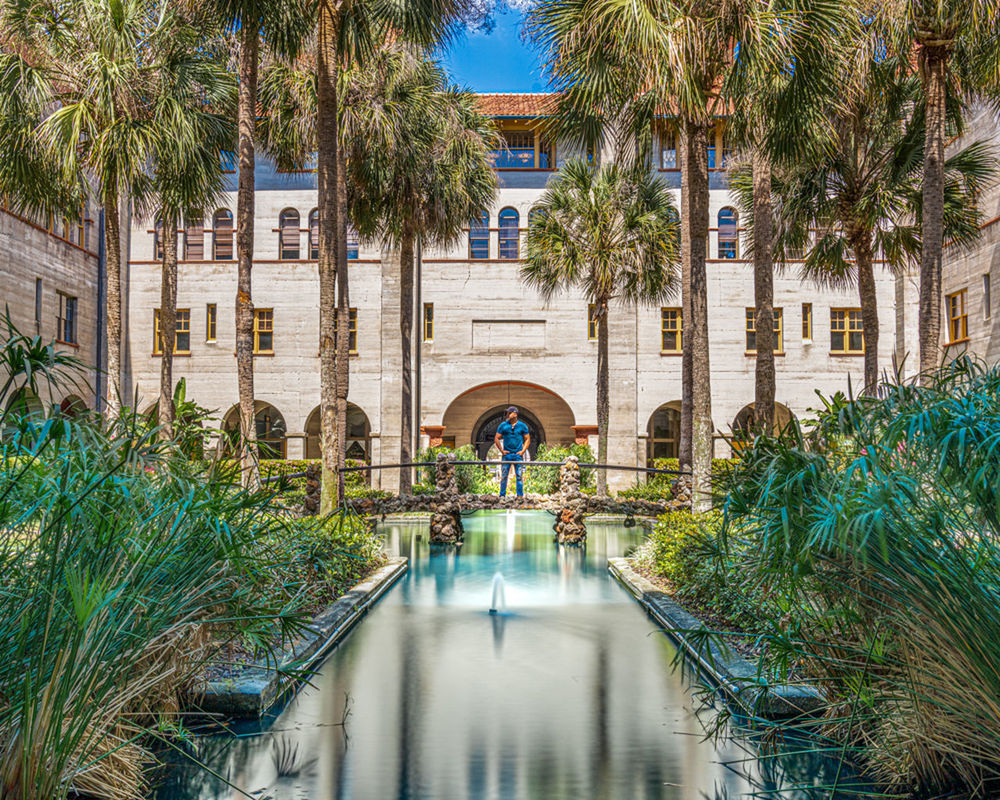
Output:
(505, 463)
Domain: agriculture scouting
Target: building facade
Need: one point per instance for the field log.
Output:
(487, 341)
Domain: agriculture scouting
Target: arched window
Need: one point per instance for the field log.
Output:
(479, 236)
(222, 239)
(535, 215)
(194, 238)
(314, 234)
(728, 236)
(158, 239)
(509, 223)
(353, 245)
(288, 235)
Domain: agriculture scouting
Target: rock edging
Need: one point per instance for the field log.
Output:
(736, 677)
(258, 689)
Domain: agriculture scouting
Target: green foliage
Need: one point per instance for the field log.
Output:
(545, 480)
(471, 479)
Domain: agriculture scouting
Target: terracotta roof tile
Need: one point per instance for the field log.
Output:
(526, 104)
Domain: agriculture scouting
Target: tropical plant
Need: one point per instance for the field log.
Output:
(878, 523)
(282, 26)
(858, 195)
(612, 233)
(74, 72)
(192, 104)
(957, 52)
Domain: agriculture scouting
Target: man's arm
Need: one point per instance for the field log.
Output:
(498, 443)
(527, 441)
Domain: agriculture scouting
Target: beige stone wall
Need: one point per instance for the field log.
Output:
(29, 252)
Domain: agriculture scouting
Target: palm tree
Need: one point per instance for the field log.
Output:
(76, 70)
(192, 103)
(957, 50)
(612, 233)
(857, 193)
(282, 26)
(424, 181)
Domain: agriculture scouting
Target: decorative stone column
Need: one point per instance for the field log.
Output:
(569, 527)
(311, 503)
(434, 434)
(446, 519)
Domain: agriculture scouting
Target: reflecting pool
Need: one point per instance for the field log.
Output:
(569, 693)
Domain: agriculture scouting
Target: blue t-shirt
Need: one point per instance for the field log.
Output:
(512, 436)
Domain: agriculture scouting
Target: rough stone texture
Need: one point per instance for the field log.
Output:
(680, 488)
(735, 677)
(569, 527)
(313, 485)
(446, 522)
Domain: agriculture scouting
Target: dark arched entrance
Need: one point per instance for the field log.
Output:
(486, 429)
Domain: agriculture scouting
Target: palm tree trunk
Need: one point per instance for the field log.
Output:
(406, 244)
(860, 242)
(696, 396)
(763, 293)
(246, 120)
(603, 400)
(326, 169)
(934, 66)
(113, 300)
(168, 324)
(343, 314)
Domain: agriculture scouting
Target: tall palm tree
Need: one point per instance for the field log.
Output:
(612, 233)
(862, 195)
(424, 182)
(956, 50)
(78, 69)
(281, 25)
(192, 107)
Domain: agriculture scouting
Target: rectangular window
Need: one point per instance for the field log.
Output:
(987, 297)
(211, 320)
(182, 332)
(846, 331)
(38, 305)
(807, 322)
(591, 322)
(263, 331)
(518, 151)
(711, 147)
(958, 317)
(194, 239)
(66, 322)
(428, 322)
(352, 333)
(668, 150)
(751, 330)
(546, 154)
(353, 244)
(479, 237)
(671, 334)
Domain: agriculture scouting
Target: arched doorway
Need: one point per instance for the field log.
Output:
(486, 426)
(271, 430)
(664, 432)
(359, 434)
(743, 422)
(473, 416)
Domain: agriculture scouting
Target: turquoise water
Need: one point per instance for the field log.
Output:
(569, 694)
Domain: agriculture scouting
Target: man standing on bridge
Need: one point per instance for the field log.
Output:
(512, 441)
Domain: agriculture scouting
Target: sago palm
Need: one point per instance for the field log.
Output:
(611, 233)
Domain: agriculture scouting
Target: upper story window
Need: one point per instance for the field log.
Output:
(263, 331)
(807, 322)
(314, 234)
(194, 239)
(671, 330)
(222, 235)
(712, 137)
(158, 239)
(428, 322)
(591, 322)
(182, 332)
(288, 235)
(479, 236)
(958, 317)
(66, 322)
(728, 233)
(847, 332)
(352, 331)
(751, 330)
(509, 224)
(524, 149)
(668, 149)
(353, 243)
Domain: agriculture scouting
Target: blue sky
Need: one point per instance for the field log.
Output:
(498, 61)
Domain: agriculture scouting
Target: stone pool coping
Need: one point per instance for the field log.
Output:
(736, 677)
(258, 689)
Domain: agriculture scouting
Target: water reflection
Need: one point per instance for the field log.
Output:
(569, 694)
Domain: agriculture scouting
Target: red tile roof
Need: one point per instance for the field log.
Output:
(527, 104)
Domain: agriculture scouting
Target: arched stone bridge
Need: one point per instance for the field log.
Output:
(569, 505)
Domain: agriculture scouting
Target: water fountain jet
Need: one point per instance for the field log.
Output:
(499, 602)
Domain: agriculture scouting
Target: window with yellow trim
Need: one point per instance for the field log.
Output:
(751, 330)
(671, 330)
(428, 322)
(182, 332)
(807, 322)
(352, 333)
(847, 332)
(958, 317)
(211, 321)
(591, 322)
(263, 331)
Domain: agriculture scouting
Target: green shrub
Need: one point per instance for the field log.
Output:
(471, 478)
(545, 480)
